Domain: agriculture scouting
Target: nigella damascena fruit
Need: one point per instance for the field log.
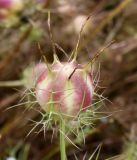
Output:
(5, 3)
(8, 7)
(65, 88)
(11, 4)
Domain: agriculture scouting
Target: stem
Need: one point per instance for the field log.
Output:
(15, 83)
(62, 140)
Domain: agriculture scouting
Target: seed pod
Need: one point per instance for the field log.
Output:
(13, 5)
(66, 88)
(5, 3)
(9, 7)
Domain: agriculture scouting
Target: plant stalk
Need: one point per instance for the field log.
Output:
(15, 83)
(62, 140)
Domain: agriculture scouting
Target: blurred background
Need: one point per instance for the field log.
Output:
(111, 30)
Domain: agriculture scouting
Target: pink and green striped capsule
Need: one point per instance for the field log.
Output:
(65, 88)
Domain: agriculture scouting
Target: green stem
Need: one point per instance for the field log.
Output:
(62, 140)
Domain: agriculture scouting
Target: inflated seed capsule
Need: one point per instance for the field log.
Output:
(9, 7)
(66, 88)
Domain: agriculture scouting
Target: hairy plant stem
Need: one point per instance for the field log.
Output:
(62, 140)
